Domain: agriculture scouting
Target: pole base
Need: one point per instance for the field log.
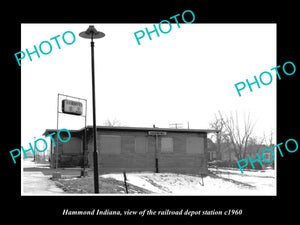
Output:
(83, 173)
(56, 175)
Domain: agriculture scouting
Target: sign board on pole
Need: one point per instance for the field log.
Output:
(71, 107)
(157, 133)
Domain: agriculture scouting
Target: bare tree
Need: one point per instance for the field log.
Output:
(237, 132)
(219, 124)
(257, 143)
(112, 122)
(269, 139)
(240, 134)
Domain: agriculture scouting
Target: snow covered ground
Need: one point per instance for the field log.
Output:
(218, 182)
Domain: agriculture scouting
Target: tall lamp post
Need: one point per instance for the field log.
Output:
(92, 33)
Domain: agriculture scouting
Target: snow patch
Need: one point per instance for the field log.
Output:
(221, 182)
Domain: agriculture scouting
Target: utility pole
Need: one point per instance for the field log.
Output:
(34, 157)
(177, 125)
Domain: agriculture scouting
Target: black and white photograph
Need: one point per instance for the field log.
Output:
(169, 119)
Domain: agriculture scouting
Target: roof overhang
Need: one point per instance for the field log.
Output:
(180, 130)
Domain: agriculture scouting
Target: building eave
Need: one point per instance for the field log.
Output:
(180, 130)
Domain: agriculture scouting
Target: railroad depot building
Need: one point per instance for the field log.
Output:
(134, 149)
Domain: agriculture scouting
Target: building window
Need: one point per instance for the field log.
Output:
(141, 144)
(110, 144)
(166, 144)
(195, 145)
(212, 156)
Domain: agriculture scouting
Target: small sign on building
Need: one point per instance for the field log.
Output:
(71, 107)
(157, 133)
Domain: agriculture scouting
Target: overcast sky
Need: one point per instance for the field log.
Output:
(185, 75)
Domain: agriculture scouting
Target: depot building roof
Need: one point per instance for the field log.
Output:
(179, 130)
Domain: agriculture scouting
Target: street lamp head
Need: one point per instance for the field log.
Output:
(91, 33)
